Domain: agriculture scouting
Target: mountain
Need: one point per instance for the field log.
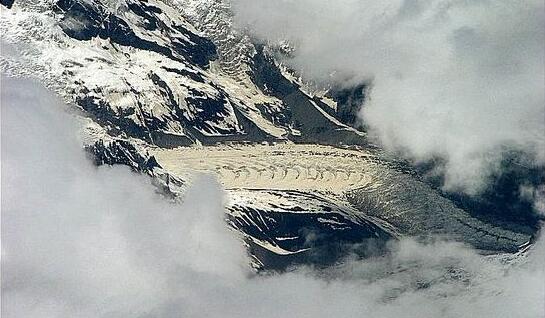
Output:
(172, 90)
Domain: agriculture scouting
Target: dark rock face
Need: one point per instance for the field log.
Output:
(349, 101)
(7, 3)
(121, 152)
(85, 20)
(201, 53)
(148, 13)
(305, 236)
(210, 109)
(320, 254)
(502, 201)
(306, 114)
(104, 115)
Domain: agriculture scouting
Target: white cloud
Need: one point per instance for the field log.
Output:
(451, 78)
(82, 241)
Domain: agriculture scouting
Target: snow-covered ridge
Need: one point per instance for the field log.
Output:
(140, 68)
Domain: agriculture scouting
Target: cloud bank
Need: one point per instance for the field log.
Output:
(460, 80)
(82, 241)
